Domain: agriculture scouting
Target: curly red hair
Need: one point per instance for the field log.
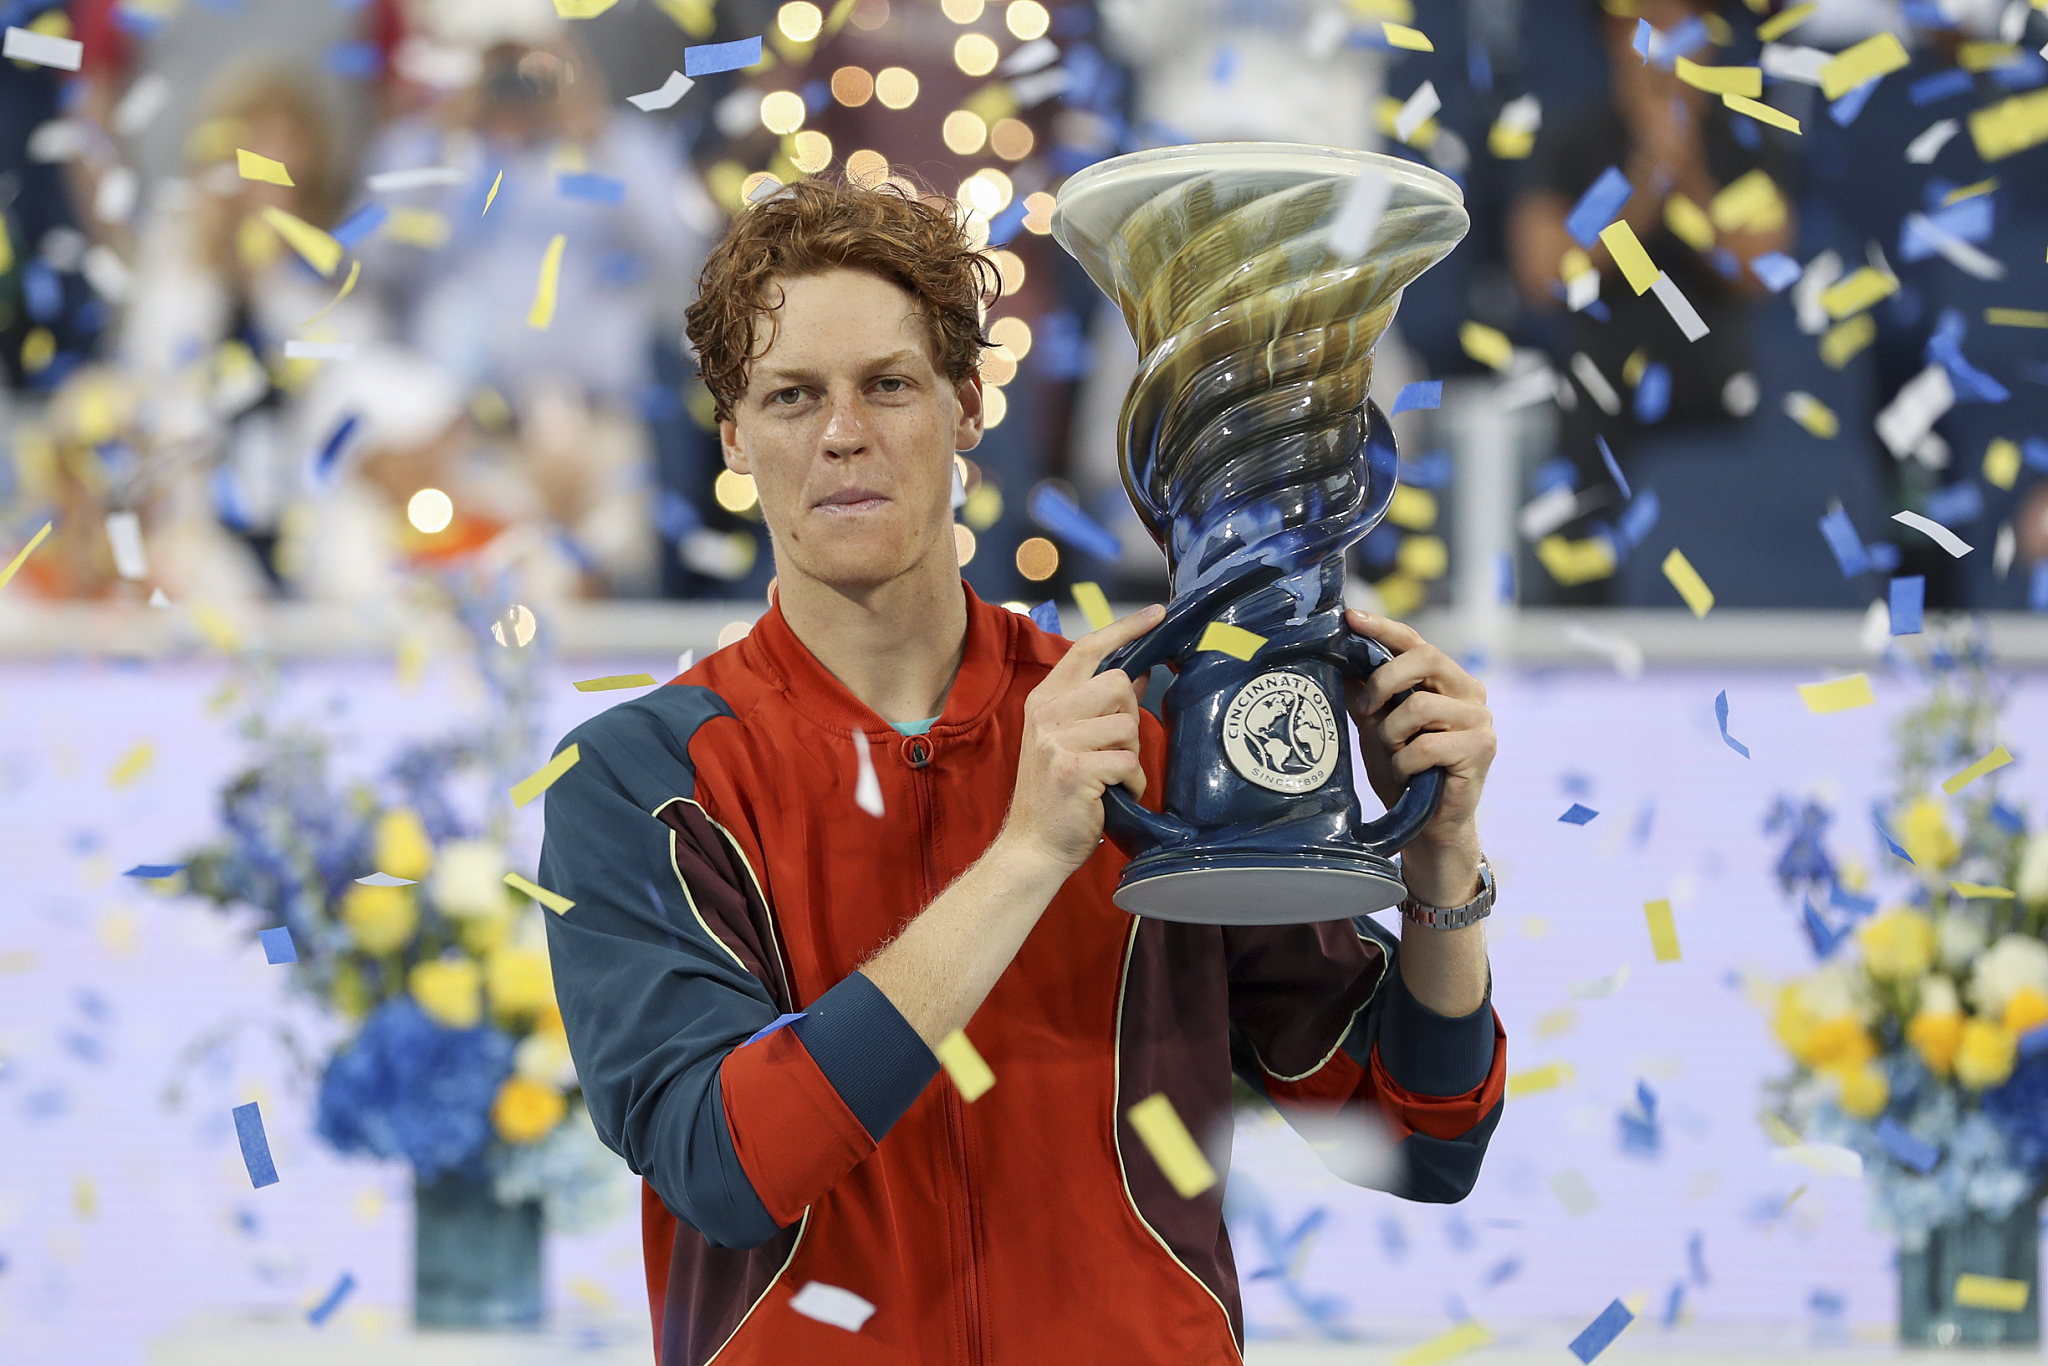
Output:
(914, 241)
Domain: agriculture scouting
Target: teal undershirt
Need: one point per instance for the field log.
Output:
(915, 727)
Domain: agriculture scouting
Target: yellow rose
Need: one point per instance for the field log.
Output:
(526, 1110)
(1865, 1091)
(2026, 1009)
(1898, 945)
(402, 847)
(450, 990)
(519, 981)
(1924, 833)
(1984, 1055)
(1935, 1034)
(380, 919)
(1837, 1044)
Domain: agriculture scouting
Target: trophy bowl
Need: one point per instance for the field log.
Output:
(1254, 458)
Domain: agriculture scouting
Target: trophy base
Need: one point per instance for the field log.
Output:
(1258, 889)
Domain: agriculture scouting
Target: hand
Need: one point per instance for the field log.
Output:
(1443, 724)
(1080, 735)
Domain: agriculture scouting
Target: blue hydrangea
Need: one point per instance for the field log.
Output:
(2020, 1109)
(408, 1087)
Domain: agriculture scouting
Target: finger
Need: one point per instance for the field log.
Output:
(1105, 694)
(1427, 711)
(1424, 666)
(1462, 752)
(1395, 635)
(1090, 650)
(1112, 766)
(1094, 734)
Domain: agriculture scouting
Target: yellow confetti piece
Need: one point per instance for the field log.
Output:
(1751, 200)
(1778, 25)
(1838, 694)
(1464, 1338)
(417, 227)
(1810, 413)
(1995, 760)
(1411, 508)
(1234, 641)
(1866, 61)
(1981, 56)
(1487, 345)
(613, 682)
(492, 196)
(1508, 142)
(1573, 264)
(1627, 250)
(1406, 38)
(355, 270)
(214, 624)
(2002, 463)
(1761, 112)
(1571, 562)
(1781, 1133)
(1535, 1080)
(1722, 80)
(1990, 1292)
(1688, 222)
(1785, 1208)
(2010, 126)
(1093, 604)
(254, 167)
(582, 9)
(1858, 291)
(1663, 931)
(964, 1064)
(582, 1287)
(2016, 317)
(85, 1197)
(1559, 1021)
(1171, 1146)
(542, 314)
(1957, 196)
(554, 901)
(1845, 339)
(1688, 582)
(21, 557)
(1423, 557)
(17, 960)
(1979, 889)
(133, 765)
(529, 788)
(320, 251)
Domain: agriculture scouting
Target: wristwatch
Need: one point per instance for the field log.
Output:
(1472, 912)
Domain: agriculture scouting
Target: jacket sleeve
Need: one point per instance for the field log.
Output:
(737, 1130)
(1321, 1020)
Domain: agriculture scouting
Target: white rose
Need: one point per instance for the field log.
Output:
(544, 1057)
(1938, 996)
(1958, 939)
(2033, 875)
(469, 879)
(1839, 988)
(2014, 962)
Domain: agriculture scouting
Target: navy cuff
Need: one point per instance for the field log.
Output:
(868, 1051)
(1428, 1054)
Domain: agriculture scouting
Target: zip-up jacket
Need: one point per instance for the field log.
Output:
(724, 878)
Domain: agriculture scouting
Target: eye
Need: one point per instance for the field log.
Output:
(776, 398)
(897, 380)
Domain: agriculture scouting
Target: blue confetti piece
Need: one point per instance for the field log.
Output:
(2007, 819)
(1613, 466)
(355, 61)
(1696, 1258)
(1598, 206)
(1478, 67)
(1884, 556)
(1225, 66)
(1504, 577)
(1578, 815)
(1909, 1148)
(1843, 540)
(2037, 588)
(277, 945)
(1653, 393)
(590, 187)
(1777, 271)
(321, 1312)
(1721, 719)
(2034, 452)
(1047, 616)
(1674, 1306)
(255, 1147)
(1640, 517)
(354, 230)
(1424, 393)
(1891, 843)
(330, 449)
(1502, 1271)
(1054, 509)
(1928, 89)
(1602, 1331)
(1007, 224)
(1430, 470)
(148, 870)
(1841, 898)
(1644, 36)
(1685, 39)
(778, 1022)
(1822, 935)
(710, 58)
(1908, 597)
(1844, 110)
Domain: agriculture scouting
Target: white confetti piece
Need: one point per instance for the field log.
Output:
(2003, 549)
(26, 45)
(158, 600)
(830, 1304)
(1935, 531)
(1582, 290)
(1913, 412)
(1789, 62)
(144, 101)
(1419, 109)
(673, 89)
(1596, 383)
(1365, 199)
(309, 350)
(1955, 250)
(413, 178)
(1680, 308)
(1575, 1193)
(1604, 986)
(385, 880)
(1924, 148)
(1825, 1159)
(1546, 512)
(1623, 653)
(124, 535)
(684, 661)
(1035, 55)
(867, 789)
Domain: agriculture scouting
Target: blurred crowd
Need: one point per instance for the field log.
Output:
(479, 352)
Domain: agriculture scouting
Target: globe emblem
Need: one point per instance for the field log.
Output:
(1281, 733)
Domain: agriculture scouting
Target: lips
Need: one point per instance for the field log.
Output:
(848, 497)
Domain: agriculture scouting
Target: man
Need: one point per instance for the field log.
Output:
(727, 874)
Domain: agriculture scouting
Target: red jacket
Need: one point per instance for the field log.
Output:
(725, 878)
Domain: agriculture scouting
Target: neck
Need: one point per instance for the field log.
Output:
(897, 646)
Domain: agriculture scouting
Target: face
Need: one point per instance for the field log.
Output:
(848, 428)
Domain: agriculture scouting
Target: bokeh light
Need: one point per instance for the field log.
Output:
(782, 111)
(975, 53)
(961, 11)
(800, 20)
(964, 132)
(1038, 559)
(812, 151)
(734, 491)
(1013, 335)
(1011, 139)
(430, 510)
(1011, 267)
(963, 543)
(1038, 207)
(896, 87)
(1027, 19)
(852, 86)
(867, 167)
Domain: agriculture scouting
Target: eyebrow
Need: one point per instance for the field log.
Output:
(894, 358)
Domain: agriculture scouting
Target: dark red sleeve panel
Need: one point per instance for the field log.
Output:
(1343, 1080)
(794, 1133)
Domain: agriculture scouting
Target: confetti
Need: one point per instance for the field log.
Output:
(355, 270)
(310, 350)
(1689, 222)
(491, 198)
(1761, 112)
(964, 1064)
(133, 764)
(1844, 340)
(1357, 219)
(1571, 562)
(1663, 932)
(1981, 890)
(255, 1147)
(1889, 842)
(1487, 345)
(124, 538)
(1587, 373)
(1823, 1159)
(1605, 1329)
(817, 1300)
(1171, 1146)
(613, 682)
(1053, 508)
(529, 788)
(1907, 600)
(2016, 317)
(1858, 292)
(1688, 582)
(1909, 1148)
(321, 1312)
(1866, 61)
(1721, 719)
(582, 9)
(590, 187)
(1548, 1077)
(1575, 1193)
(43, 49)
(867, 788)
(262, 168)
(1578, 815)
(413, 178)
(1927, 145)
(1913, 411)
(1234, 641)
(672, 90)
(1679, 307)
(708, 59)
(1810, 413)
(1783, 22)
(554, 901)
(154, 870)
(1990, 1292)
(1094, 606)
(1406, 38)
(1613, 466)
(21, 557)
(386, 880)
(2010, 126)
(1423, 394)
(779, 1022)
(1598, 206)
(1750, 201)
(1722, 80)
(277, 945)
(1445, 1346)
(1838, 694)
(1954, 249)
(1939, 534)
(320, 251)
(542, 315)
(1417, 110)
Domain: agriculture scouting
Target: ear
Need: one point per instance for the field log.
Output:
(729, 446)
(967, 434)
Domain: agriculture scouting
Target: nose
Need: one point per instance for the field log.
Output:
(846, 428)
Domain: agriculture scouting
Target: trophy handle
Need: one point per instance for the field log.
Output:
(1358, 656)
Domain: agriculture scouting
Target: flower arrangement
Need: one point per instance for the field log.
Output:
(457, 1061)
(1921, 1040)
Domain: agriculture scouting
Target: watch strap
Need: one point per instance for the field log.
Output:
(1454, 917)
